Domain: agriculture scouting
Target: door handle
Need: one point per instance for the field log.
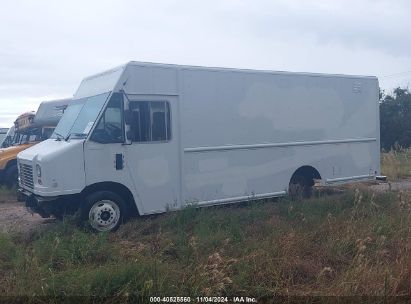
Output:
(119, 161)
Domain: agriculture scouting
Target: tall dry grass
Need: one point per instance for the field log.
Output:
(396, 164)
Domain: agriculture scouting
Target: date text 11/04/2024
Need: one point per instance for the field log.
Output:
(203, 299)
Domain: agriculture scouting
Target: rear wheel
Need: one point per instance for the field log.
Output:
(300, 187)
(104, 210)
(11, 176)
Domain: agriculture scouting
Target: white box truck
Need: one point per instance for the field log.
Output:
(152, 137)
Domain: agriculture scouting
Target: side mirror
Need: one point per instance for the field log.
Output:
(129, 135)
(128, 117)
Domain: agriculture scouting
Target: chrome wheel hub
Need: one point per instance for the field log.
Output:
(104, 215)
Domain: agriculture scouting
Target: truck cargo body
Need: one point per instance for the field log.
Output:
(183, 134)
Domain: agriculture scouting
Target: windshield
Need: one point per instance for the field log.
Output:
(8, 141)
(2, 137)
(16, 139)
(29, 135)
(79, 117)
(10, 132)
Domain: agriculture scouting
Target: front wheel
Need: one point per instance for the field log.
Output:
(104, 211)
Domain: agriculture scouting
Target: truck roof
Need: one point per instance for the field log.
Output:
(107, 80)
(24, 121)
(50, 112)
(193, 67)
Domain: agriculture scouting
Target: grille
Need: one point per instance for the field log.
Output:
(26, 176)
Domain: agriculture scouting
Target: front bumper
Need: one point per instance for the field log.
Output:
(44, 206)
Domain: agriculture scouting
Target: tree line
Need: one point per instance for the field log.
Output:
(395, 119)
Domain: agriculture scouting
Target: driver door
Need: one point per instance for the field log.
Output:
(104, 151)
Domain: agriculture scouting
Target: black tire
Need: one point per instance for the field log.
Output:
(11, 175)
(104, 211)
(300, 187)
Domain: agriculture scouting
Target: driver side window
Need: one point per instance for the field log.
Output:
(110, 127)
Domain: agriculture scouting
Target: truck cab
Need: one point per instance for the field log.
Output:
(90, 160)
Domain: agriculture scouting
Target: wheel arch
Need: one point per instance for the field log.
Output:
(10, 163)
(9, 174)
(117, 188)
(308, 172)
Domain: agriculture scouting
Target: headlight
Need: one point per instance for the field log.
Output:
(38, 170)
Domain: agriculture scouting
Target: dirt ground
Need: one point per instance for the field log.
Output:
(404, 184)
(16, 218)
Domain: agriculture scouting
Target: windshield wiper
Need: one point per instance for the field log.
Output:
(78, 135)
(59, 136)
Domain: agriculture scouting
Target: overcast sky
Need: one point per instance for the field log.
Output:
(47, 47)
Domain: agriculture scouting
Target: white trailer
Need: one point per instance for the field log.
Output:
(155, 137)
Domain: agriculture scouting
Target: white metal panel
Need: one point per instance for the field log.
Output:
(100, 83)
(62, 166)
(149, 80)
(100, 165)
(247, 133)
(273, 108)
(214, 175)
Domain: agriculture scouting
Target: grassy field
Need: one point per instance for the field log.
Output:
(396, 164)
(354, 243)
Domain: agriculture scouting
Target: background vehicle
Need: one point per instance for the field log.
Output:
(29, 129)
(8, 140)
(154, 137)
(3, 134)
